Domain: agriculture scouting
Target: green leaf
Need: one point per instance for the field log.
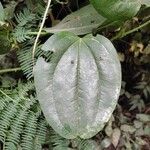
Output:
(79, 88)
(146, 2)
(117, 9)
(80, 22)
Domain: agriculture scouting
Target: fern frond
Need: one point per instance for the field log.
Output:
(40, 135)
(87, 145)
(41, 131)
(26, 61)
(29, 132)
(13, 135)
(24, 90)
(40, 9)
(21, 34)
(6, 116)
(26, 20)
(58, 141)
(3, 102)
(11, 146)
(25, 17)
(27, 127)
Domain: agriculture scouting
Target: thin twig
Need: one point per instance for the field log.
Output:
(131, 31)
(9, 70)
(136, 29)
(40, 30)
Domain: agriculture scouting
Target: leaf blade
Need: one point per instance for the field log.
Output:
(77, 84)
(80, 22)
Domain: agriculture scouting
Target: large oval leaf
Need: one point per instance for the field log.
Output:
(79, 88)
(117, 9)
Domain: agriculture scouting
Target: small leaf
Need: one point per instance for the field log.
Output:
(140, 132)
(105, 143)
(140, 141)
(138, 124)
(80, 22)
(128, 128)
(143, 117)
(115, 136)
(108, 128)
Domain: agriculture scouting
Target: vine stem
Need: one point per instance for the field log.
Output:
(35, 33)
(10, 70)
(40, 30)
(131, 31)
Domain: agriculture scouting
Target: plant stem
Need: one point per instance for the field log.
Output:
(9, 70)
(35, 33)
(131, 31)
(136, 29)
(40, 30)
(106, 25)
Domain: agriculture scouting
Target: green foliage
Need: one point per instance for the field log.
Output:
(73, 58)
(21, 34)
(25, 21)
(21, 122)
(117, 9)
(29, 132)
(26, 61)
(25, 17)
(22, 125)
(60, 143)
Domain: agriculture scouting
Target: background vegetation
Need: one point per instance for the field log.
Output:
(22, 124)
